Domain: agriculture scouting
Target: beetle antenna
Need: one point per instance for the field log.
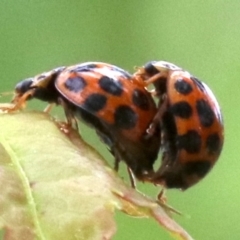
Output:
(6, 93)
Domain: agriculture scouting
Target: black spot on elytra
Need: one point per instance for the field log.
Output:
(191, 141)
(205, 113)
(199, 168)
(198, 83)
(150, 69)
(183, 86)
(95, 102)
(75, 84)
(111, 86)
(140, 99)
(124, 73)
(213, 143)
(84, 68)
(181, 109)
(125, 117)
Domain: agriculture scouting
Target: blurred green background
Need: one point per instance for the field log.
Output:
(201, 36)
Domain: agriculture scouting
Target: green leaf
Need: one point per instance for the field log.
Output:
(55, 186)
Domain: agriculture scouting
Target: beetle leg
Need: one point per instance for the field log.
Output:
(18, 102)
(116, 163)
(48, 108)
(157, 118)
(154, 93)
(116, 167)
(148, 80)
(161, 197)
(154, 78)
(71, 120)
(131, 177)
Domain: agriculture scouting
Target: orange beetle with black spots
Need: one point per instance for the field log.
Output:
(191, 124)
(107, 98)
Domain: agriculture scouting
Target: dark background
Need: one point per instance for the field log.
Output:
(200, 36)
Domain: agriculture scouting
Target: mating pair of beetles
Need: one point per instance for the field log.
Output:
(185, 125)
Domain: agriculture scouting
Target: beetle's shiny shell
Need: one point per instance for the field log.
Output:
(192, 126)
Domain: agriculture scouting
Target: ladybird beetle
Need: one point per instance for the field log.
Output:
(191, 124)
(108, 99)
